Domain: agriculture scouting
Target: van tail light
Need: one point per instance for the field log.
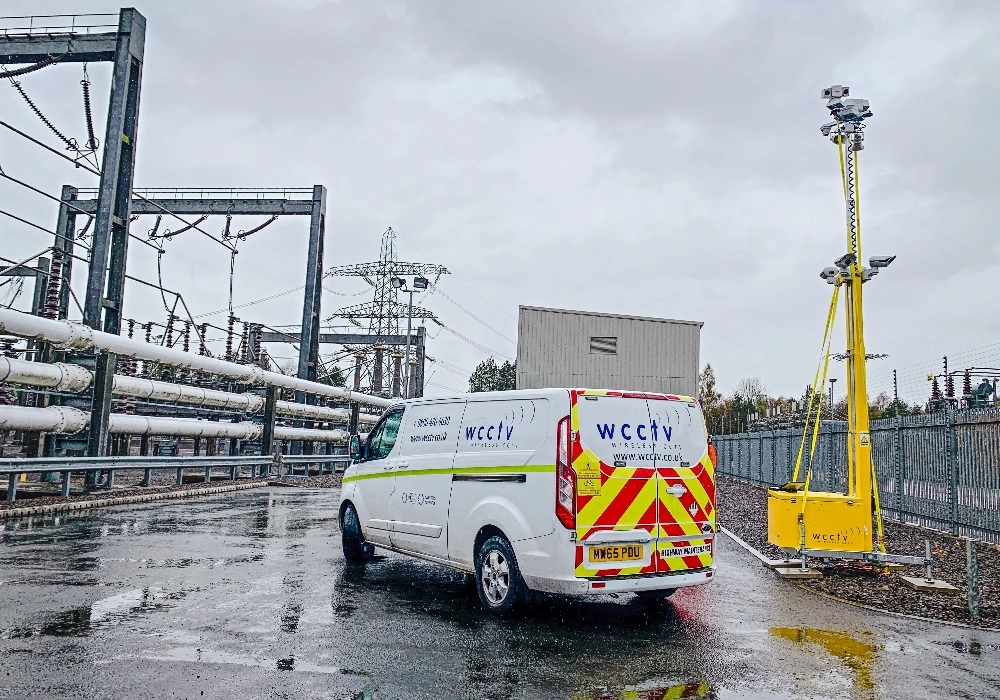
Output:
(565, 477)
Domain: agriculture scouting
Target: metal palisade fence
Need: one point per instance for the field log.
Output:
(940, 470)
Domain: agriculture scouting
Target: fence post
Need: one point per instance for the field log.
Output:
(65, 483)
(898, 435)
(972, 577)
(952, 445)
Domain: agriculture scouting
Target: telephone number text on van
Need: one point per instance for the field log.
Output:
(438, 437)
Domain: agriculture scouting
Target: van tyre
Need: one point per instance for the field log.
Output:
(498, 579)
(356, 550)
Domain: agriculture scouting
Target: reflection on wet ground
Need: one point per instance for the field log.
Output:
(855, 654)
(248, 596)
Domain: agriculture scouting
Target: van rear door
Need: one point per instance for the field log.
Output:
(616, 506)
(685, 485)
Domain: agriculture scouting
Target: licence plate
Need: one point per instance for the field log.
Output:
(616, 552)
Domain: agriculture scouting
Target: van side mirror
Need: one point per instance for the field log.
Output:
(355, 447)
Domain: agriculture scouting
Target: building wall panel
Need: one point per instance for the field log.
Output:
(554, 350)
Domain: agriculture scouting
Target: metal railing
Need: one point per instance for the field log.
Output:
(65, 467)
(47, 25)
(940, 470)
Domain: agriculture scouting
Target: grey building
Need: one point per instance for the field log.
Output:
(558, 348)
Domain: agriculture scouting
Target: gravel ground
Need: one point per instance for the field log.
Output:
(743, 511)
(327, 481)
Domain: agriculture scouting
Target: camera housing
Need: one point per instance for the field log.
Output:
(835, 91)
(881, 260)
(845, 261)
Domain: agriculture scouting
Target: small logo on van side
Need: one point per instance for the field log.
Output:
(642, 432)
(489, 433)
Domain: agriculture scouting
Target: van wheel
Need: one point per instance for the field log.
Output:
(655, 596)
(356, 550)
(498, 580)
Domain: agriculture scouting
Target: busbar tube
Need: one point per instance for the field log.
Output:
(75, 336)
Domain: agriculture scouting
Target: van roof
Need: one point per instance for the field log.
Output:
(540, 393)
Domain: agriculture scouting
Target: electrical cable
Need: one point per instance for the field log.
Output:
(94, 171)
(437, 288)
(71, 144)
(409, 243)
(251, 303)
(92, 143)
(478, 346)
(45, 62)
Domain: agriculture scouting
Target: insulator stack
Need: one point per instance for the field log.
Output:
(148, 327)
(50, 309)
(949, 386)
(7, 397)
(967, 384)
(935, 390)
(244, 345)
(130, 364)
(202, 334)
(229, 338)
(168, 338)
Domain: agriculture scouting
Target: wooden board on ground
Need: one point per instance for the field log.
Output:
(797, 572)
(919, 583)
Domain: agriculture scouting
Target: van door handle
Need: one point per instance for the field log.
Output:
(402, 466)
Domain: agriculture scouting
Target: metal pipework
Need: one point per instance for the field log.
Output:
(73, 378)
(180, 393)
(302, 410)
(308, 435)
(53, 419)
(62, 419)
(73, 336)
(58, 376)
(121, 423)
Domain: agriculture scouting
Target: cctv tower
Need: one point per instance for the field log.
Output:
(827, 524)
(383, 313)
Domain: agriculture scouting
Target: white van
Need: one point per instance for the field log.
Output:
(572, 491)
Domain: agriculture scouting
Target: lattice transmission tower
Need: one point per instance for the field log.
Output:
(383, 313)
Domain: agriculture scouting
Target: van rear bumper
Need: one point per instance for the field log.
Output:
(631, 584)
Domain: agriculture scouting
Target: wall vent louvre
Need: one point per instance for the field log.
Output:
(603, 345)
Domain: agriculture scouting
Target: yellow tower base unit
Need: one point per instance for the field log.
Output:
(834, 521)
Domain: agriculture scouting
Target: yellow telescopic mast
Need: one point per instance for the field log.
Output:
(847, 133)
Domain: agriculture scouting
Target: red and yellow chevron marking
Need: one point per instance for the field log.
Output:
(637, 498)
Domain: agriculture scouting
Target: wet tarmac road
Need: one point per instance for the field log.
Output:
(248, 596)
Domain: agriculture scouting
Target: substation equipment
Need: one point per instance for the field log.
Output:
(81, 371)
(819, 524)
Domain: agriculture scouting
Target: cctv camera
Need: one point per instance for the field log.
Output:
(845, 261)
(881, 260)
(835, 91)
(868, 272)
(828, 127)
(830, 274)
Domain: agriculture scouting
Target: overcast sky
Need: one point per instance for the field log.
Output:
(651, 158)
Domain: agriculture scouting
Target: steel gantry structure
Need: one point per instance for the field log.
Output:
(124, 48)
(39, 42)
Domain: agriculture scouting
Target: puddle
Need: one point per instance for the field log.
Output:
(79, 622)
(651, 690)
(856, 655)
(211, 656)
